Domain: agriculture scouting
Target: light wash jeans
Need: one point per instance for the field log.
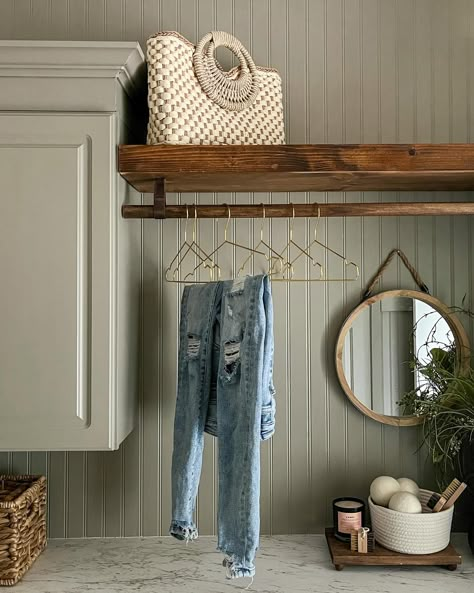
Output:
(225, 387)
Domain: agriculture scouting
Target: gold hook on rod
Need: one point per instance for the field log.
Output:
(227, 222)
(317, 221)
(195, 223)
(263, 222)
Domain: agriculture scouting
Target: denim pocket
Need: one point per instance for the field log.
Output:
(267, 426)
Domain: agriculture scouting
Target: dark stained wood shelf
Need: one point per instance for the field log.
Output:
(341, 555)
(305, 167)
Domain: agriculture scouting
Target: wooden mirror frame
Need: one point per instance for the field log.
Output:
(459, 333)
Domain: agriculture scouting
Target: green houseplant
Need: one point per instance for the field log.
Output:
(444, 397)
(445, 400)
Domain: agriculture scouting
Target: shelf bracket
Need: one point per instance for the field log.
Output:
(159, 198)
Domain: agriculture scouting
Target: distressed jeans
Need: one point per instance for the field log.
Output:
(225, 388)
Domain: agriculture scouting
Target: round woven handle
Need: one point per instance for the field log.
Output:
(227, 91)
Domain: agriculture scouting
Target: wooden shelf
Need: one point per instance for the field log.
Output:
(311, 167)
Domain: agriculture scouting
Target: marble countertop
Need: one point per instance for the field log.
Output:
(285, 564)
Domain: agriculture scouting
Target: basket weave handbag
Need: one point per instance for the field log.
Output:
(22, 524)
(192, 100)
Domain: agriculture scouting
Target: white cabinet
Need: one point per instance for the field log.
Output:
(69, 265)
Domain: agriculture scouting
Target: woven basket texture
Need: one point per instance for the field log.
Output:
(22, 524)
(420, 533)
(192, 100)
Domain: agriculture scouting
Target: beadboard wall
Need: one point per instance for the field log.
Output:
(353, 71)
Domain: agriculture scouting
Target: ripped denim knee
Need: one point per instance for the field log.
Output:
(267, 427)
(231, 360)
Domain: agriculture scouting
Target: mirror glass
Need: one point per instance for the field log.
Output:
(382, 343)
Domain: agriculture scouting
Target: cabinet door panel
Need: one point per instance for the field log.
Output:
(56, 176)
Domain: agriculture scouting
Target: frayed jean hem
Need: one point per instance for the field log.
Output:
(236, 568)
(183, 531)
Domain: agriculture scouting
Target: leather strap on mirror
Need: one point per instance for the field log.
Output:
(386, 263)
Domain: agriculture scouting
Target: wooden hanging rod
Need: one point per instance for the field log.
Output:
(286, 210)
(160, 209)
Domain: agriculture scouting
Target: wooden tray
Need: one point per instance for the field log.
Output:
(341, 555)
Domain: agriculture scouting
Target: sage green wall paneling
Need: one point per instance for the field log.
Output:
(78, 19)
(6, 22)
(371, 34)
(317, 309)
(297, 342)
(94, 495)
(334, 234)
(390, 41)
(75, 498)
(352, 132)
(59, 24)
(58, 492)
(353, 71)
(96, 19)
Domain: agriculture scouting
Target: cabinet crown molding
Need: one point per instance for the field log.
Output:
(38, 68)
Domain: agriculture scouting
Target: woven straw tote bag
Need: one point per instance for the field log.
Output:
(192, 100)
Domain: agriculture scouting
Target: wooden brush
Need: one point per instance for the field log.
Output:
(448, 497)
(437, 502)
(362, 540)
(453, 492)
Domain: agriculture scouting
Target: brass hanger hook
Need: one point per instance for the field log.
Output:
(292, 221)
(263, 221)
(186, 224)
(227, 223)
(346, 262)
(195, 222)
(317, 222)
(172, 272)
(273, 258)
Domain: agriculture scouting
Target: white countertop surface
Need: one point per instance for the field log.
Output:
(285, 564)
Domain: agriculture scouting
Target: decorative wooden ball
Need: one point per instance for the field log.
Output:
(405, 502)
(382, 489)
(407, 485)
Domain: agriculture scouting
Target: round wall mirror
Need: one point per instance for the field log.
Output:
(378, 343)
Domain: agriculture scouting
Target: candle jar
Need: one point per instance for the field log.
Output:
(348, 514)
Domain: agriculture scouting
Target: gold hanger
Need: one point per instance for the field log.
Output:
(227, 242)
(288, 272)
(347, 263)
(273, 268)
(172, 275)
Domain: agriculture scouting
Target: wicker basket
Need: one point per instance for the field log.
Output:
(22, 524)
(423, 533)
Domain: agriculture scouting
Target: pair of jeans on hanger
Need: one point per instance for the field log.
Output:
(225, 387)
